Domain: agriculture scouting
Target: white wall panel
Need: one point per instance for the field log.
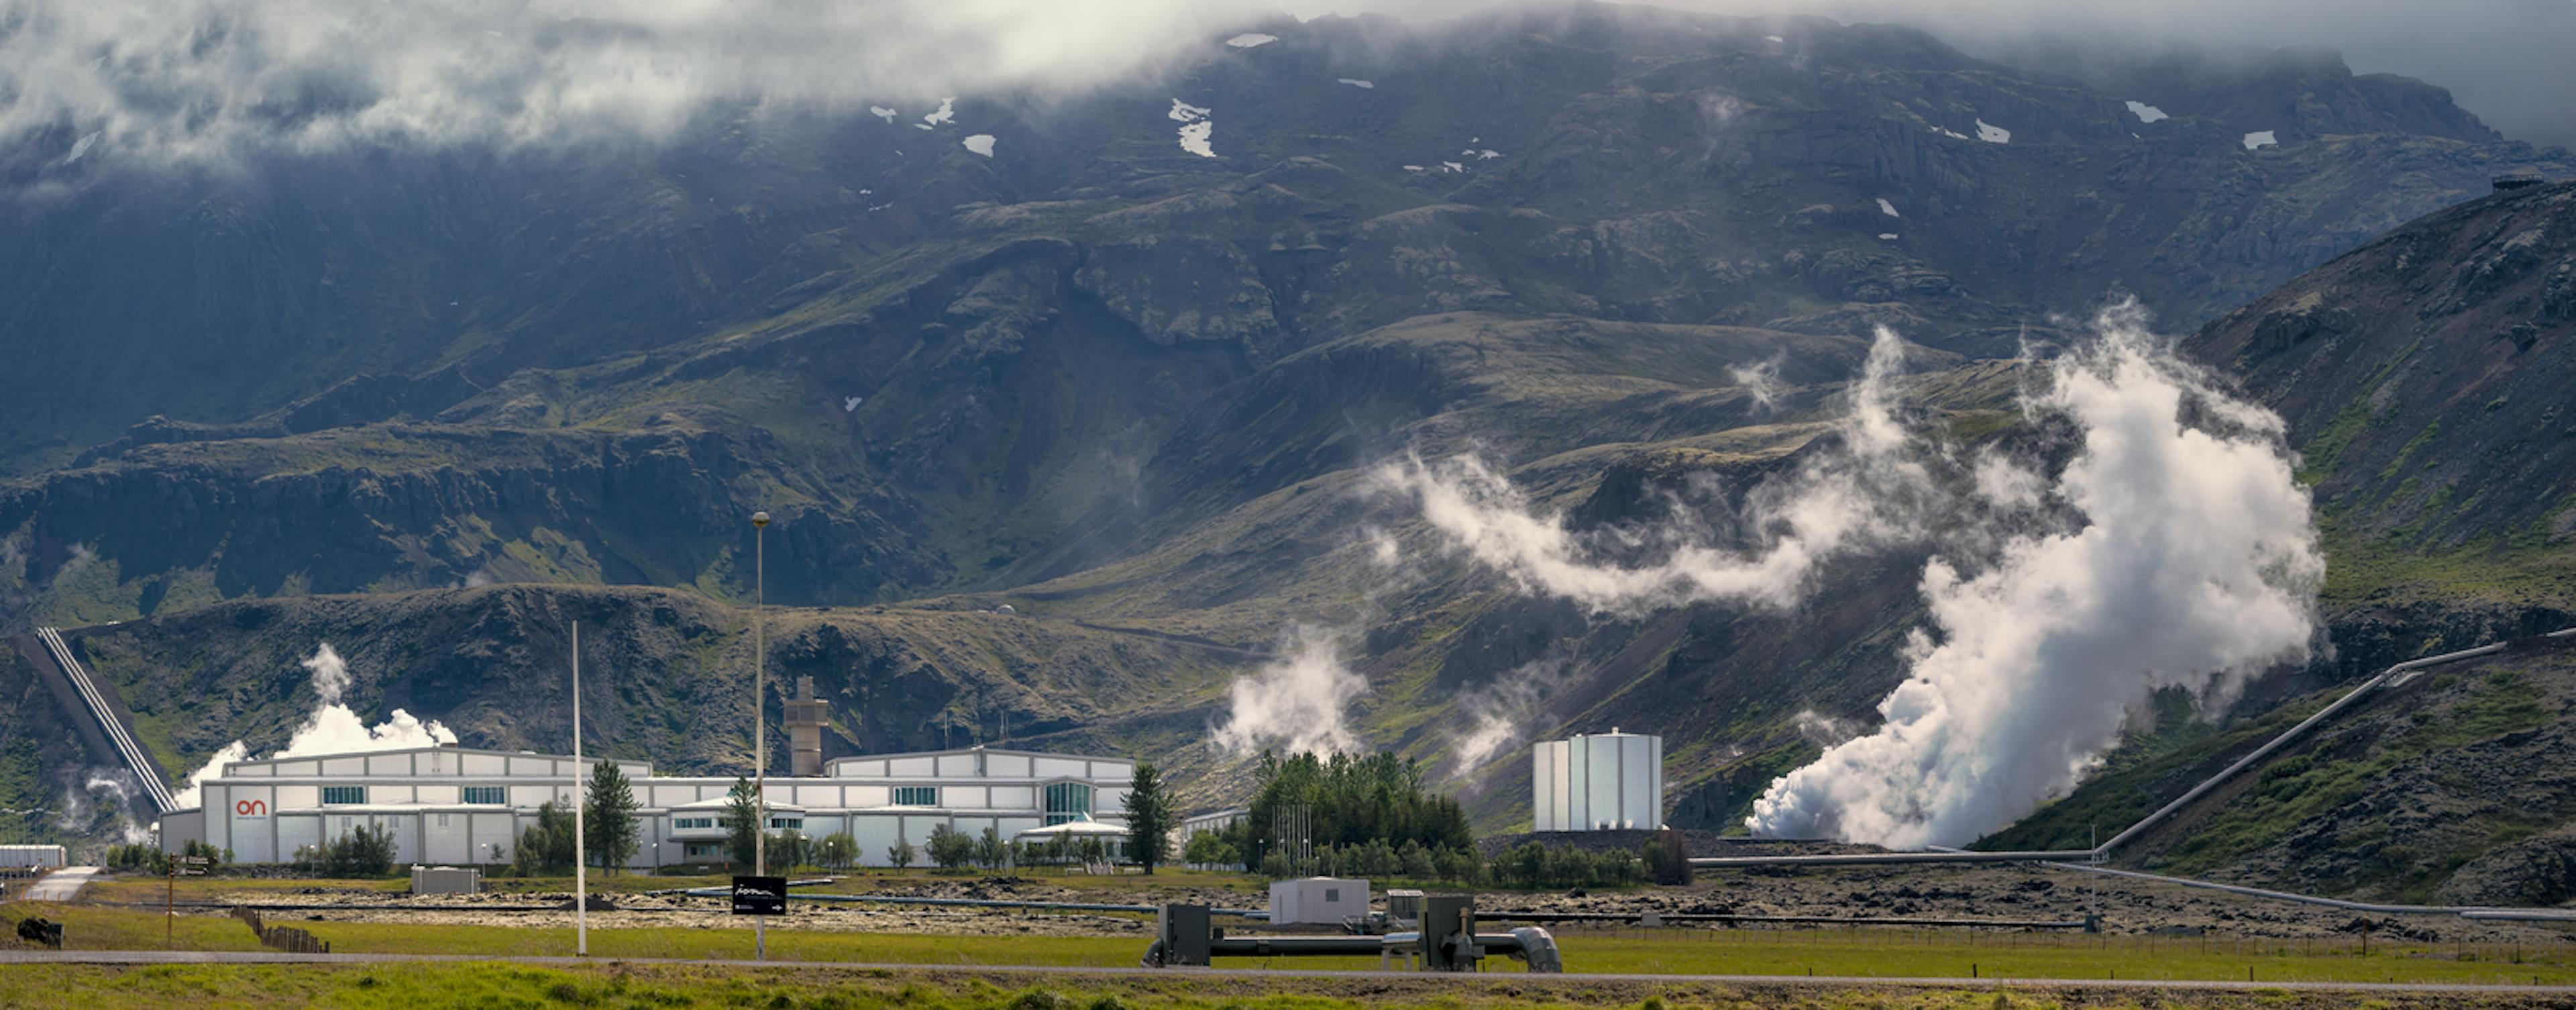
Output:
(1055, 767)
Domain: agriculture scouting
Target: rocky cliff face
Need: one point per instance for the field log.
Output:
(2419, 375)
(2422, 376)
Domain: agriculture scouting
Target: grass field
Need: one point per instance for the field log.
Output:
(1830, 952)
(206, 987)
(1101, 888)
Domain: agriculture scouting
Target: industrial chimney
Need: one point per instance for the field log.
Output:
(805, 718)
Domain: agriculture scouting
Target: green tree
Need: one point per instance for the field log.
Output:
(989, 850)
(1209, 848)
(1346, 801)
(837, 850)
(547, 845)
(1149, 818)
(1416, 861)
(609, 833)
(950, 849)
(742, 825)
(789, 850)
(901, 853)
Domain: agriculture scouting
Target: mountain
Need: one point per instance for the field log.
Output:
(2422, 377)
(1137, 393)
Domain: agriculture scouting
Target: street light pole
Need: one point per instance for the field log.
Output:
(759, 728)
(580, 857)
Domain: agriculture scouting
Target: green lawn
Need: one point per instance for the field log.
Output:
(1867, 953)
(210, 987)
(1126, 887)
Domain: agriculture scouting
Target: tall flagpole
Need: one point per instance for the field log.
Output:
(759, 730)
(580, 857)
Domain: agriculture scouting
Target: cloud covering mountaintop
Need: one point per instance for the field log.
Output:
(199, 80)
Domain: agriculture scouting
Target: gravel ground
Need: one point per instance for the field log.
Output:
(2127, 907)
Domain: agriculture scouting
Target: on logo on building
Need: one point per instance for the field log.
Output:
(250, 808)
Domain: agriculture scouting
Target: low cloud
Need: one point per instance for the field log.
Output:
(196, 80)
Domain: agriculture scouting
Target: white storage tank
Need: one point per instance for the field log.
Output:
(1598, 782)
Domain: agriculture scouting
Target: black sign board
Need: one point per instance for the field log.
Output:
(759, 895)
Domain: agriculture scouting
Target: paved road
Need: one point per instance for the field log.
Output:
(61, 884)
(1517, 979)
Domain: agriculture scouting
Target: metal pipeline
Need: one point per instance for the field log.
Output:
(2463, 911)
(1804, 920)
(1060, 906)
(2391, 677)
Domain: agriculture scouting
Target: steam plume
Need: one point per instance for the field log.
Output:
(1761, 380)
(2174, 549)
(2195, 564)
(1498, 712)
(1299, 703)
(1865, 493)
(331, 728)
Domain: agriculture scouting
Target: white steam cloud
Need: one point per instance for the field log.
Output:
(331, 728)
(1761, 380)
(1864, 493)
(1498, 712)
(2173, 549)
(330, 675)
(182, 80)
(114, 786)
(2195, 565)
(1298, 703)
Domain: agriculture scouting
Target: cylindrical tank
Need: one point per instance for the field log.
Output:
(1598, 781)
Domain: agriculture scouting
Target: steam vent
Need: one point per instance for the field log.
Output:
(805, 717)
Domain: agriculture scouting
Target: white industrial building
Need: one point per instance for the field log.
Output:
(1213, 820)
(20, 857)
(1598, 781)
(460, 805)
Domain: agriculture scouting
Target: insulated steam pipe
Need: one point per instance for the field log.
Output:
(2276, 743)
(1059, 906)
(2465, 912)
(154, 788)
(2390, 677)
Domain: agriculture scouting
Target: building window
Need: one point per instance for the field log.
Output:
(1067, 801)
(797, 823)
(685, 823)
(916, 796)
(706, 850)
(336, 795)
(492, 795)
